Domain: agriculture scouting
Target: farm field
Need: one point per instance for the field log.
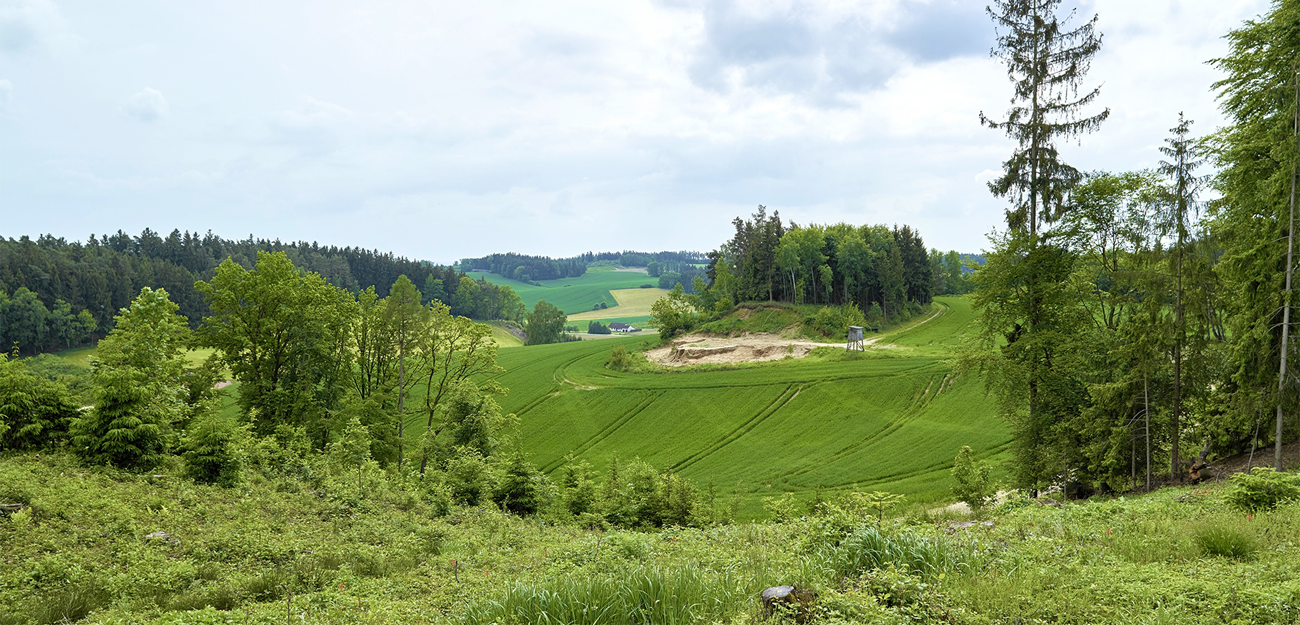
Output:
(632, 303)
(574, 295)
(888, 419)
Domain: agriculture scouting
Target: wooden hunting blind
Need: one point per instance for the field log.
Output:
(855, 339)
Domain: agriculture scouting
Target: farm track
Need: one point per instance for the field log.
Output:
(744, 428)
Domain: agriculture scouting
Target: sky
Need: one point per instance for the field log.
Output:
(444, 130)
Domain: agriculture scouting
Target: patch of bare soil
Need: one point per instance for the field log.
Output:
(1263, 457)
(694, 349)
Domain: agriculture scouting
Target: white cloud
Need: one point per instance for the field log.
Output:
(147, 105)
(679, 113)
(29, 25)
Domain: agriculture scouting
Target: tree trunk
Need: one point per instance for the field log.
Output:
(1286, 294)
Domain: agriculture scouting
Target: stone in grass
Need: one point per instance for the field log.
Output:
(163, 536)
(789, 599)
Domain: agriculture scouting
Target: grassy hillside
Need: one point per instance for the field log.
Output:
(99, 546)
(574, 295)
(888, 419)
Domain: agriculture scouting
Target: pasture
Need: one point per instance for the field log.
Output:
(888, 419)
(575, 295)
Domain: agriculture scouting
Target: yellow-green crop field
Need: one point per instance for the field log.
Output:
(631, 303)
(889, 419)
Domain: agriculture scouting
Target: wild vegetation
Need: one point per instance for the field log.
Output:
(1111, 328)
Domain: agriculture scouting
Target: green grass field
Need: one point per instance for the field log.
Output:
(890, 419)
(80, 356)
(575, 295)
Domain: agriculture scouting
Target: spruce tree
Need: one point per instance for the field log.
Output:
(1046, 61)
(1184, 186)
(1256, 152)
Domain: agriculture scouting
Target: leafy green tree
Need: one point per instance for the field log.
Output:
(455, 350)
(278, 330)
(150, 335)
(596, 327)
(407, 320)
(673, 314)
(545, 324)
(1256, 154)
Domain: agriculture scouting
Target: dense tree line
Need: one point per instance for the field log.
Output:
(1124, 333)
(70, 280)
(531, 269)
(877, 269)
(526, 268)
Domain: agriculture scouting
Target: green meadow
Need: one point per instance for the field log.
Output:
(575, 295)
(890, 419)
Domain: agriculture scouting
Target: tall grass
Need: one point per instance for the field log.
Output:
(870, 548)
(647, 595)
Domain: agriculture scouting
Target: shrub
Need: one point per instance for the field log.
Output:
(618, 359)
(972, 480)
(1227, 542)
(1262, 489)
(834, 321)
(871, 548)
(210, 451)
(643, 595)
(596, 327)
(33, 411)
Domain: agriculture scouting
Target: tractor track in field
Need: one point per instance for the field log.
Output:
(893, 477)
(606, 431)
(744, 428)
(909, 414)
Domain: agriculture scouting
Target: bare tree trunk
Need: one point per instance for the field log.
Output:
(1286, 294)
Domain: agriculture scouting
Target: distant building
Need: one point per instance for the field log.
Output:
(622, 327)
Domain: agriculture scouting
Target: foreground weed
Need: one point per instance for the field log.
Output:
(649, 595)
(1226, 542)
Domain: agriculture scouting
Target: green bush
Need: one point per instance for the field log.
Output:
(972, 480)
(34, 411)
(647, 595)
(834, 321)
(211, 452)
(1262, 489)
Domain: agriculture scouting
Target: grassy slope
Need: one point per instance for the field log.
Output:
(886, 420)
(323, 554)
(574, 295)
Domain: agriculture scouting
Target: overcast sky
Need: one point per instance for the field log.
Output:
(440, 130)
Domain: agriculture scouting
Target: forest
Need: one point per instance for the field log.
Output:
(56, 294)
(1129, 328)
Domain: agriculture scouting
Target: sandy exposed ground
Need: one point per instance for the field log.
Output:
(694, 349)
